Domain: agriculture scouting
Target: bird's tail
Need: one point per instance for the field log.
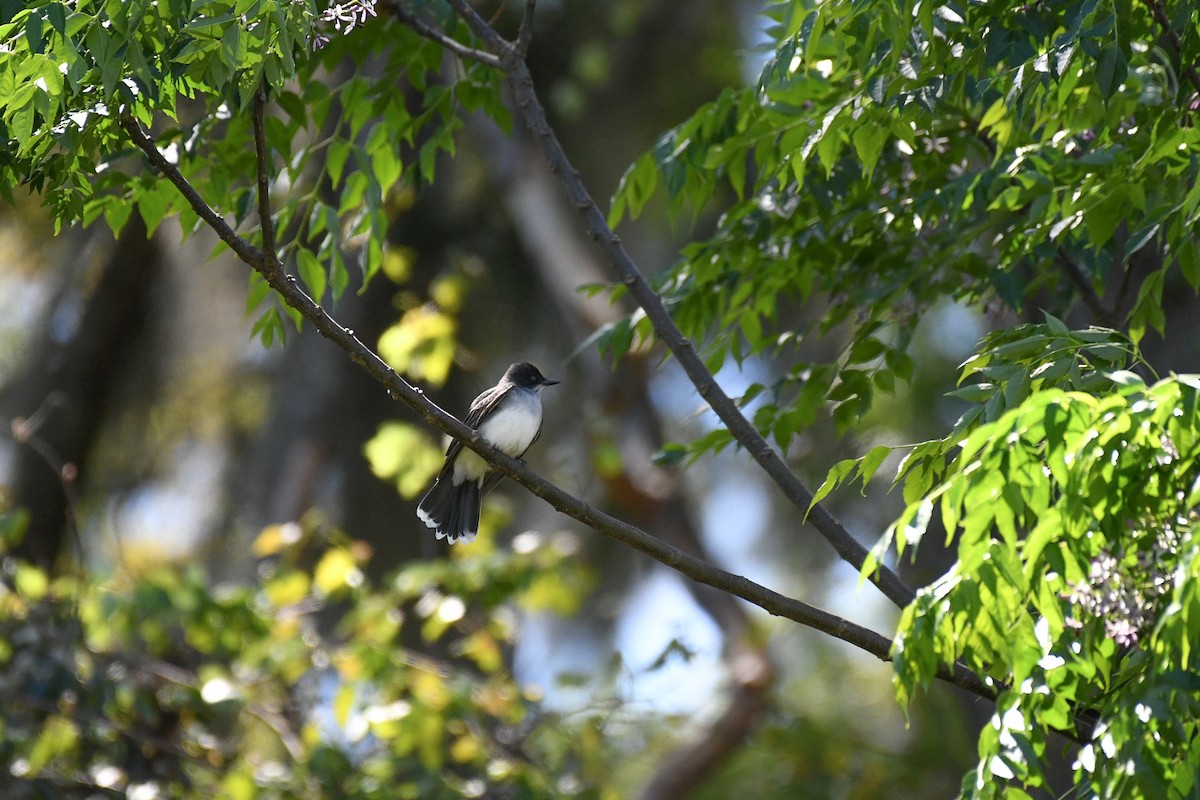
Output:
(453, 511)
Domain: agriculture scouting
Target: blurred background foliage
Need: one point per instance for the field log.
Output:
(213, 580)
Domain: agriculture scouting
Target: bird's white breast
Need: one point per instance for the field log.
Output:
(511, 429)
(513, 426)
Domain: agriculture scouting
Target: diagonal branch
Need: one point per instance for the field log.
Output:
(529, 109)
(241, 248)
(629, 535)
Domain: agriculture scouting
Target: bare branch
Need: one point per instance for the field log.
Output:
(263, 162)
(681, 771)
(433, 34)
(774, 603)
(525, 34)
(25, 430)
(529, 108)
(504, 50)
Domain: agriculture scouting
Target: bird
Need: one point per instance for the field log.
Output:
(509, 417)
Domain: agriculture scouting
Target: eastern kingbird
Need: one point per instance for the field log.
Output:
(509, 417)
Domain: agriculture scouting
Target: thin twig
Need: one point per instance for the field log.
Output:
(24, 430)
(499, 10)
(529, 108)
(525, 34)
(433, 34)
(696, 569)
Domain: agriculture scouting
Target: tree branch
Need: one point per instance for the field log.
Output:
(525, 34)
(497, 44)
(696, 569)
(263, 160)
(242, 248)
(648, 495)
(958, 674)
(530, 110)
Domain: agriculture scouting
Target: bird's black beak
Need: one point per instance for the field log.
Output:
(549, 382)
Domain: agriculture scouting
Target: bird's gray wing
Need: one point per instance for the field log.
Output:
(481, 406)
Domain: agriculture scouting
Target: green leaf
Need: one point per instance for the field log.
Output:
(152, 206)
(996, 112)
(33, 31)
(1103, 218)
(1189, 263)
(865, 350)
(1056, 325)
(339, 276)
(670, 455)
(56, 13)
(258, 291)
(312, 273)
(975, 392)
(871, 462)
(869, 141)
(635, 189)
(1147, 309)
(865, 467)
(1111, 71)
(837, 473)
(116, 215)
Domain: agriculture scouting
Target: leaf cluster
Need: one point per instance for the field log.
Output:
(1012, 364)
(1074, 588)
(160, 682)
(891, 156)
(343, 131)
